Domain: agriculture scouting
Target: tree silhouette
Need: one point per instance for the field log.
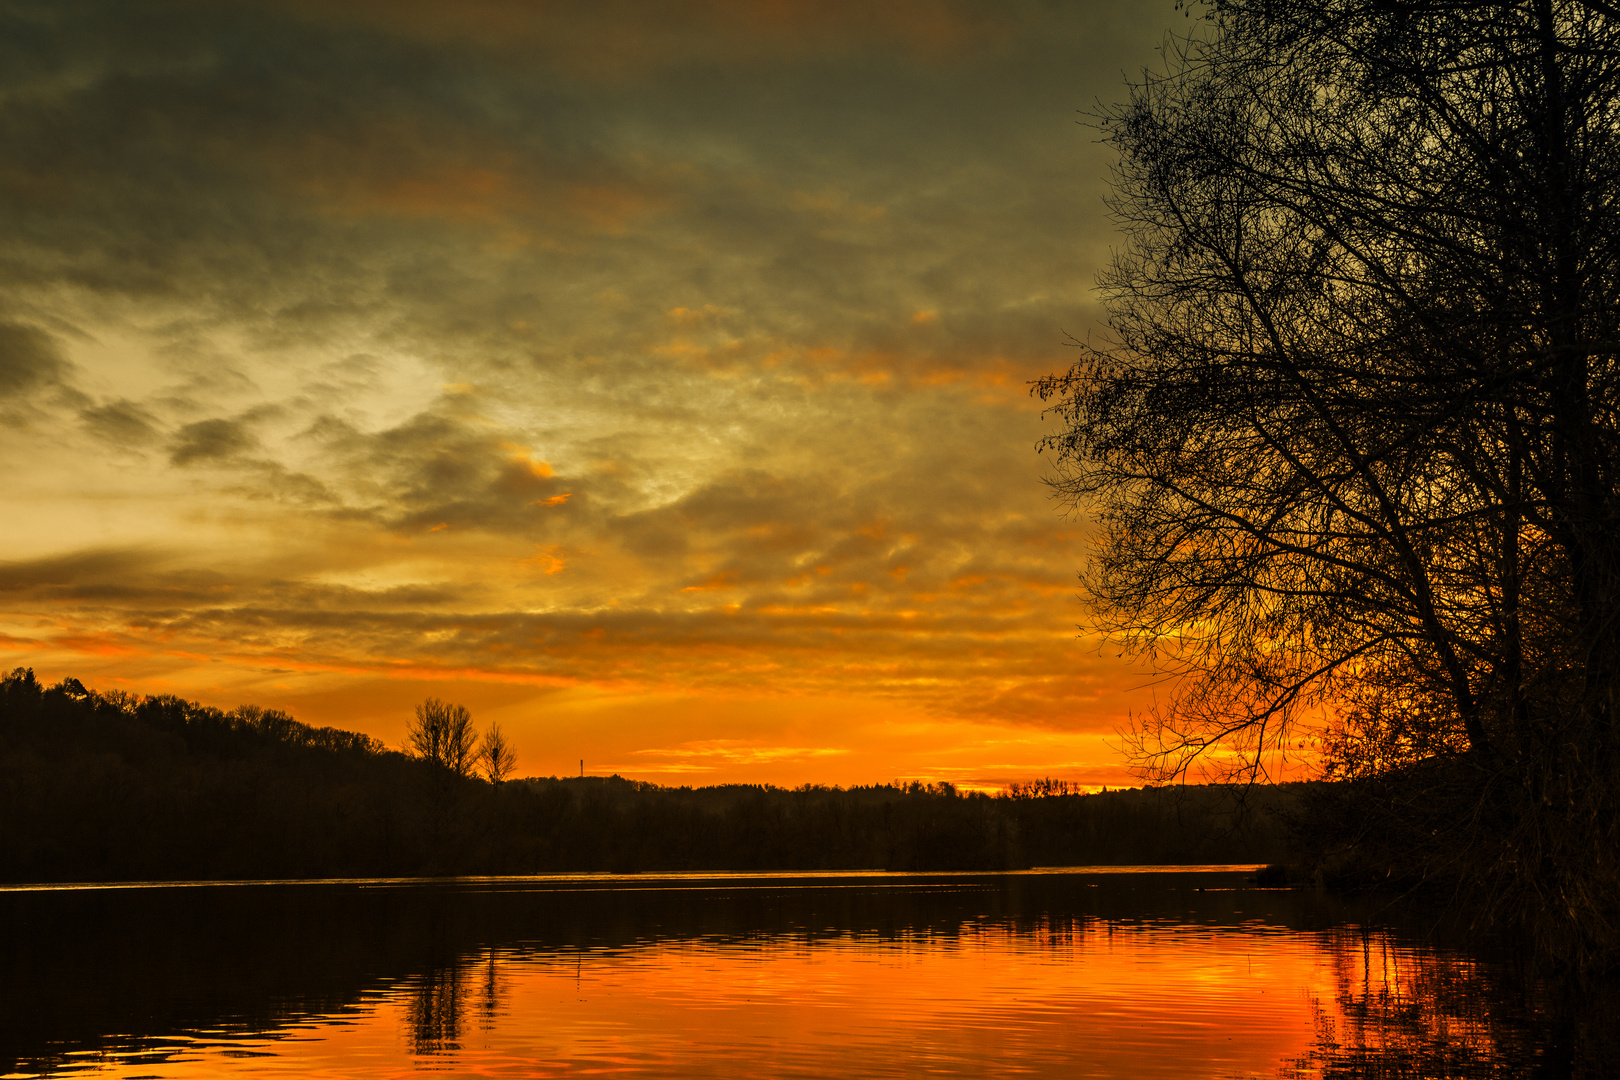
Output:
(1355, 446)
(495, 755)
(443, 735)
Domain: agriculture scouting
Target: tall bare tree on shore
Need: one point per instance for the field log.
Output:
(1356, 444)
(443, 735)
(495, 755)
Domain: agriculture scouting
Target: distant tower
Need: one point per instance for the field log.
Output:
(582, 768)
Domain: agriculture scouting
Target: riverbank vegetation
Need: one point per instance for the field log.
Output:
(98, 787)
(1354, 449)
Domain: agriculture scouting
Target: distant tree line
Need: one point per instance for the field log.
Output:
(107, 786)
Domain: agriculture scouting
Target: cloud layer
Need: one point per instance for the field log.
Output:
(645, 369)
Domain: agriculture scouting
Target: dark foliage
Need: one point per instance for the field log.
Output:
(97, 787)
(1208, 824)
(1355, 450)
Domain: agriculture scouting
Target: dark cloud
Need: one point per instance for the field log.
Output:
(121, 423)
(300, 172)
(273, 480)
(211, 441)
(437, 469)
(77, 568)
(616, 40)
(29, 359)
(776, 522)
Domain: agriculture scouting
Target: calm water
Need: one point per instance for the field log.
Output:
(1072, 974)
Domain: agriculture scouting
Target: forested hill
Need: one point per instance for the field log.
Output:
(98, 787)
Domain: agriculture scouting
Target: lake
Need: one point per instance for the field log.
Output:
(1182, 972)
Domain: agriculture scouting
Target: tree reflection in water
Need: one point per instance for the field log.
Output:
(441, 1000)
(1407, 1011)
(132, 980)
(1400, 1009)
(435, 1015)
(490, 996)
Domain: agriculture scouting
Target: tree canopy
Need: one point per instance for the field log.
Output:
(442, 734)
(1352, 451)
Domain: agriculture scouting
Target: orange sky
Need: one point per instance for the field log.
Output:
(651, 379)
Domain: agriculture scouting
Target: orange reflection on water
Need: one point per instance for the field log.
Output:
(1077, 999)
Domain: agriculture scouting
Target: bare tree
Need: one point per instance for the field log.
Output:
(1355, 449)
(495, 755)
(443, 735)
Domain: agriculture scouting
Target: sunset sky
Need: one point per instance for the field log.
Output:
(650, 378)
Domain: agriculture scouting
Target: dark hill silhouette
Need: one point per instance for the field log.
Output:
(100, 787)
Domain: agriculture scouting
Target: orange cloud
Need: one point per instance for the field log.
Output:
(683, 316)
(726, 579)
(522, 457)
(610, 208)
(95, 645)
(549, 560)
(464, 192)
(713, 755)
(399, 167)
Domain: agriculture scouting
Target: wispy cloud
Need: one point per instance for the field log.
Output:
(720, 755)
